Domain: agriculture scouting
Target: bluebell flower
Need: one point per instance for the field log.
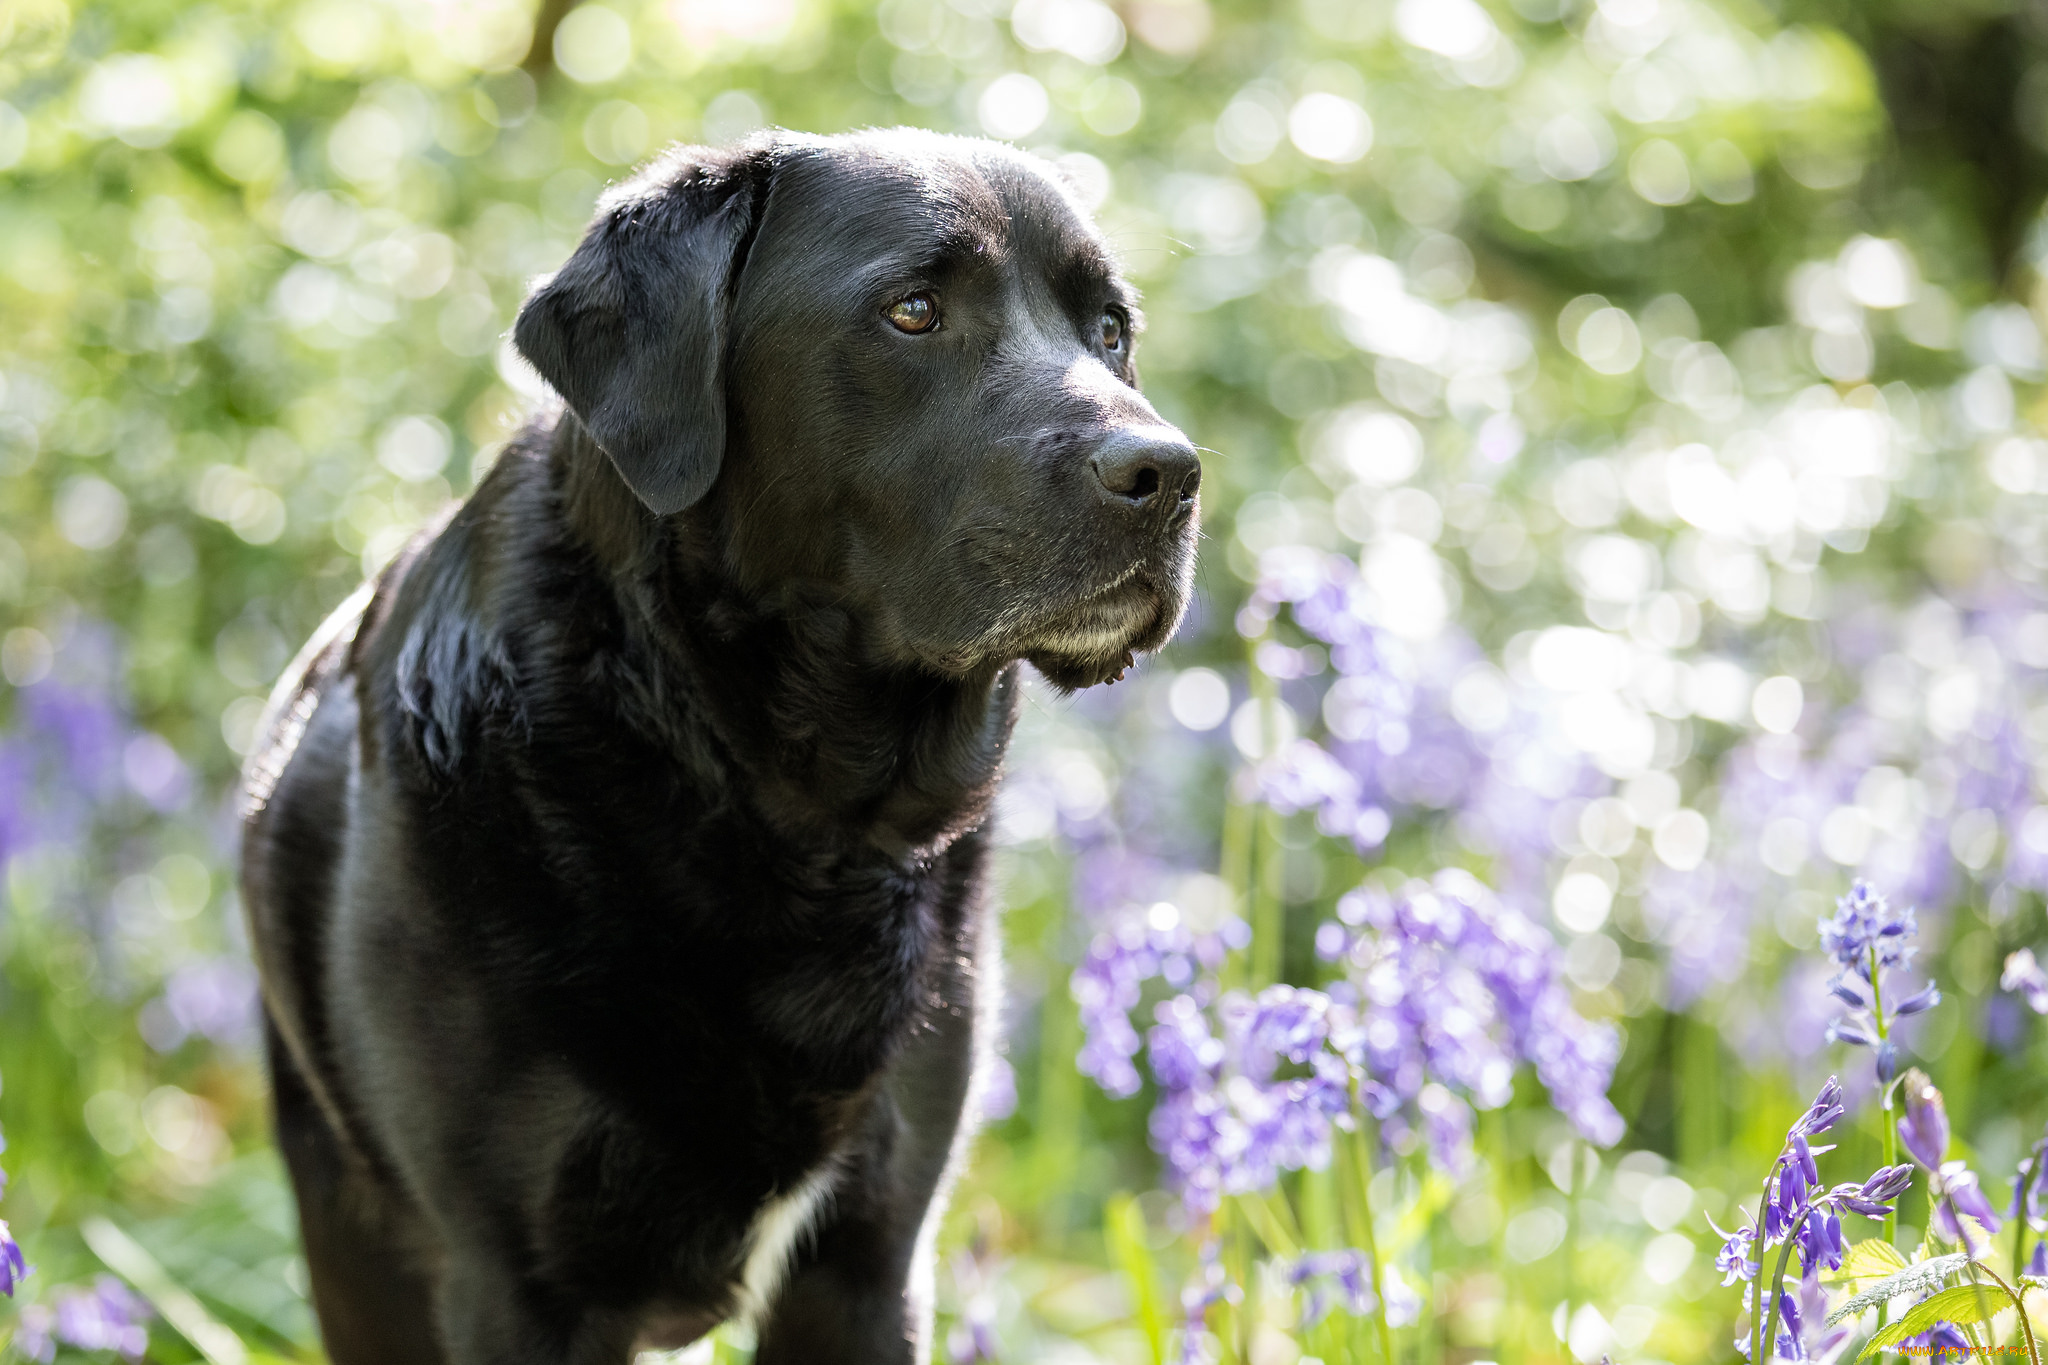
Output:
(1136, 948)
(1868, 941)
(109, 1316)
(1208, 1287)
(1866, 928)
(2024, 976)
(1824, 1113)
(1798, 1212)
(1448, 984)
(35, 1334)
(1923, 1128)
(1953, 1192)
(1334, 1278)
(1790, 1336)
(973, 1336)
(1874, 1197)
(2030, 1190)
(1804, 1333)
(13, 1267)
(1820, 1239)
(1733, 1259)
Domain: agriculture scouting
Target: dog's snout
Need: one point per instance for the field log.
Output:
(1147, 468)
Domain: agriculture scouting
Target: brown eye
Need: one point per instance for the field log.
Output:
(918, 313)
(1112, 330)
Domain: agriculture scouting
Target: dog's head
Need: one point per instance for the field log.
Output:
(896, 369)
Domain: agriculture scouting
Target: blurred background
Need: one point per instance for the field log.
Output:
(1665, 375)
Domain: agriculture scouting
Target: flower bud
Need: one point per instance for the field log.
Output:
(1926, 998)
(1924, 1128)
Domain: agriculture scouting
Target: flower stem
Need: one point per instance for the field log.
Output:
(1884, 1110)
(1372, 1245)
(1757, 1356)
(1358, 1169)
(1269, 1224)
(2020, 1307)
(1268, 908)
(1777, 1294)
(1970, 1250)
(2019, 1240)
(1263, 871)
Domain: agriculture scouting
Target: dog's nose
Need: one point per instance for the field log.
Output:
(1147, 468)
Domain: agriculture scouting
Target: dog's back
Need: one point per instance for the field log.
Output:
(365, 1254)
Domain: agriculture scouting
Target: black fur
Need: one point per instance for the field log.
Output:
(616, 866)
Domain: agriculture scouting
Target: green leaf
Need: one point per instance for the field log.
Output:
(1869, 1259)
(1126, 1228)
(1920, 1277)
(1962, 1305)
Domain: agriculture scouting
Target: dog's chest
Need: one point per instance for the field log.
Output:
(777, 1235)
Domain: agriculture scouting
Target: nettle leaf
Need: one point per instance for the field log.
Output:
(1963, 1304)
(1920, 1277)
(1869, 1259)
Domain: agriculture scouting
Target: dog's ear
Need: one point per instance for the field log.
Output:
(631, 331)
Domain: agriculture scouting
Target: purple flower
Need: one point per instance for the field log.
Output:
(2030, 1190)
(1790, 1343)
(973, 1337)
(1927, 997)
(1807, 1335)
(1348, 1273)
(1447, 983)
(1874, 1197)
(1141, 945)
(1825, 1111)
(1955, 1195)
(998, 1098)
(2025, 977)
(1868, 940)
(1924, 1126)
(1733, 1259)
(1208, 1287)
(2037, 1264)
(1865, 929)
(214, 998)
(13, 1268)
(1184, 1055)
(1820, 1239)
(107, 1317)
(33, 1333)
(1953, 1192)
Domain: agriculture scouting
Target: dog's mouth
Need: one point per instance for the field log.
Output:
(1099, 636)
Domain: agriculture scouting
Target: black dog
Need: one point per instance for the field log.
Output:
(616, 865)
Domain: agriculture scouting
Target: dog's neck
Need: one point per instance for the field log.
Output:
(782, 688)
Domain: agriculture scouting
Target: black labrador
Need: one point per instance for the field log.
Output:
(616, 860)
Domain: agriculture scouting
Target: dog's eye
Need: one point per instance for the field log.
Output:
(1112, 330)
(918, 313)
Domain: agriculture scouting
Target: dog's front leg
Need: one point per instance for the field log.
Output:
(491, 1316)
(859, 1292)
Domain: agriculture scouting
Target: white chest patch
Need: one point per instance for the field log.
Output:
(782, 1223)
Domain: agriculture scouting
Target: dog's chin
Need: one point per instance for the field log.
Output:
(1098, 640)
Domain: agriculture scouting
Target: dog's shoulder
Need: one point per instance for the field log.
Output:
(448, 658)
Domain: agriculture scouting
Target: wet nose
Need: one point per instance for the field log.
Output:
(1147, 469)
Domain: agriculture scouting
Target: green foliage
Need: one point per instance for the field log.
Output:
(1921, 1277)
(1963, 1304)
